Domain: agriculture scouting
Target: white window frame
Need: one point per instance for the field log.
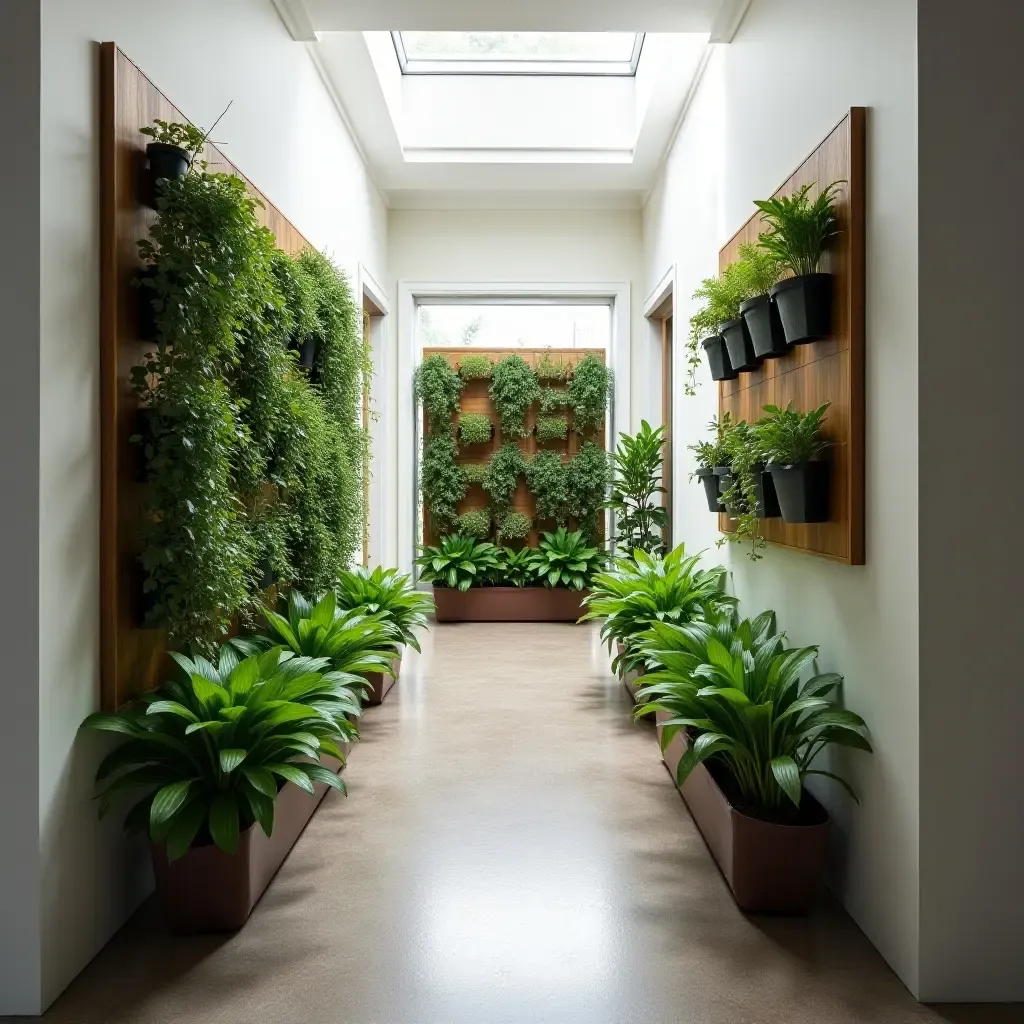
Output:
(517, 66)
(412, 294)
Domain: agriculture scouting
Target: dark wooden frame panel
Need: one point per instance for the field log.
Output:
(132, 659)
(825, 371)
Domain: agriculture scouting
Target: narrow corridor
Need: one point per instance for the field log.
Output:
(511, 850)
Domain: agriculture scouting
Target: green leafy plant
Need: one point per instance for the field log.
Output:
(475, 523)
(458, 562)
(389, 594)
(514, 526)
(175, 133)
(636, 480)
(787, 436)
(438, 388)
(587, 479)
(513, 390)
(507, 465)
(719, 299)
(590, 390)
(474, 472)
(759, 268)
(738, 688)
(553, 401)
(552, 428)
(551, 369)
(208, 751)
(548, 478)
(473, 367)
(709, 454)
(741, 449)
(515, 568)
(475, 428)
(442, 480)
(800, 229)
(565, 559)
(642, 589)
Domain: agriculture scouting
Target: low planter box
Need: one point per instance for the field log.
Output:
(508, 604)
(770, 867)
(381, 683)
(209, 890)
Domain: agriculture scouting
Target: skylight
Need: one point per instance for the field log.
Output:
(518, 53)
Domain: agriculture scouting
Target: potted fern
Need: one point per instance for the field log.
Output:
(792, 444)
(711, 456)
(799, 232)
(761, 270)
(722, 296)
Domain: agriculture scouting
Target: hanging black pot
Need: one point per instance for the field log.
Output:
(307, 353)
(718, 358)
(165, 162)
(710, 481)
(764, 490)
(803, 491)
(761, 315)
(267, 575)
(805, 307)
(145, 314)
(739, 346)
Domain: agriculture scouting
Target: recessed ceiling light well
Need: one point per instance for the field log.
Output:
(518, 53)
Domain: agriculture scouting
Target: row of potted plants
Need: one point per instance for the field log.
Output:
(742, 719)
(774, 296)
(253, 735)
(476, 581)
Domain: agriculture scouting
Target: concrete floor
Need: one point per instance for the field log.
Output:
(511, 850)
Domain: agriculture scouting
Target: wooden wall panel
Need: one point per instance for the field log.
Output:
(475, 398)
(825, 371)
(132, 659)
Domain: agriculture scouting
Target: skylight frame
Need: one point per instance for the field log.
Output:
(517, 66)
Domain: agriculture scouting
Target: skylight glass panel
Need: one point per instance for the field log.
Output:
(579, 53)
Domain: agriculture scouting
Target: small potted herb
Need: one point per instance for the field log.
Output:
(762, 270)
(172, 150)
(475, 367)
(722, 296)
(712, 455)
(704, 333)
(792, 443)
(800, 230)
(475, 428)
(551, 428)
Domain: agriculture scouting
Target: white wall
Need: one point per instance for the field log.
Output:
(284, 132)
(766, 101)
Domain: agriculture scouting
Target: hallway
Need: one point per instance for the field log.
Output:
(511, 851)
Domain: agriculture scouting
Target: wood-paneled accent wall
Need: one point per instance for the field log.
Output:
(475, 398)
(132, 659)
(824, 371)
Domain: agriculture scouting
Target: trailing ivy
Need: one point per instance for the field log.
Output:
(513, 390)
(590, 388)
(441, 480)
(502, 476)
(549, 484)
(588, 486)
(438, 387)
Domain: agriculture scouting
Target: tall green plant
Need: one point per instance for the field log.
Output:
(438, 388)
(507, 465)
(513, 390)
(636, 465)
(441, 479)
(589, 392)
(800, 229)
(587, 480)
(548, 478)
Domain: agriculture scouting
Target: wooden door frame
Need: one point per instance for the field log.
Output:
(659, 309)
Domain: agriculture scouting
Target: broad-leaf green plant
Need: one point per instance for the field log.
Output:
(800, 229)
(515, 568)
(458, 562)
(388, 593)
(636, 465)
(787, 436)
(564, 558)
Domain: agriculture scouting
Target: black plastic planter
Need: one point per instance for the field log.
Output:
(710, 480)
(307, 353)
(267, 575)
(165, 161)
(761, 315)
(802, 489)
(805, 307)
(718, 358)
(739, 346)
(764, 491)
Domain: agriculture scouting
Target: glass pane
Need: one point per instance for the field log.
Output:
(529, 46)
(515, 326)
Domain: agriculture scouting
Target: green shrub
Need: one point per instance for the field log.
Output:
(474, 367)
(513, 390)
(553, 400)
(475, 428)
(800, 229)
(565, 559)
(515, 526)
(552, 428)
(549, 483)
(437, 388)
(640, 518)
(441, 480)
(389, 594)
(475, 523)
(590, 389)
(502, 476)
(474, 472)
(458, 562)
(551, 369)
(588, 486)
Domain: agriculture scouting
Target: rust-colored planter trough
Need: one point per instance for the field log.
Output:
(770, 867)
(381, 683)
(209, 890)
(508, 604)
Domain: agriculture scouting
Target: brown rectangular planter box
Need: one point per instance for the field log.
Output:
(508, 604)
(381, 683)
(209, 890)
(769, 867)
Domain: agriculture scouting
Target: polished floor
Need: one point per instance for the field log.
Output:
(511, 850)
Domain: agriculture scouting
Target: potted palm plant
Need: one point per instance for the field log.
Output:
(792, 442)
(800, 230)
(718, 687)
(215, 753)
(761, 270)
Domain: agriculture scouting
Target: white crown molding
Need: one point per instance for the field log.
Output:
(296, 19)
(727, 20)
